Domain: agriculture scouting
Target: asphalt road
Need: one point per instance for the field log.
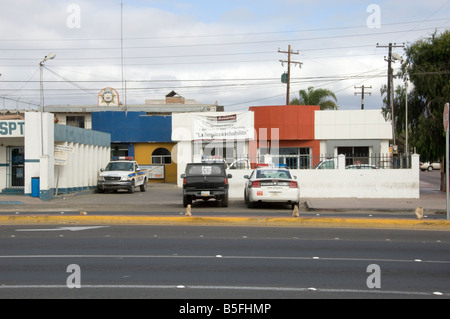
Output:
(432, 180)
(221, 262)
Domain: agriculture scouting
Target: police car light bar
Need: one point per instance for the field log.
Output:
(122, 158)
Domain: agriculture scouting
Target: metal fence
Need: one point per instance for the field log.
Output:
(356, 161)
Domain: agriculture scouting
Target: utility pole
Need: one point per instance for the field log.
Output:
(289, 62)
(390, 87)
(124, 85)
(362, 94)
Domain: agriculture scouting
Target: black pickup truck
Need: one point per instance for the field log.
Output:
(205, 181)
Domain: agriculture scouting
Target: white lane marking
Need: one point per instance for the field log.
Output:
(199, 287)
(229, 257)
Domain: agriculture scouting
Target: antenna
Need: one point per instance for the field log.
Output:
(121, 57)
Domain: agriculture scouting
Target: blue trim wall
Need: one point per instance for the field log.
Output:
(133, 127)
(73, 134)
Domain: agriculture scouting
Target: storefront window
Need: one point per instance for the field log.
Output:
(119, 150)
(77, 121)
(292, 157)
(355, 155)
(161, 156)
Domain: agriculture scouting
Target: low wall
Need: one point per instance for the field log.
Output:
(346, 183)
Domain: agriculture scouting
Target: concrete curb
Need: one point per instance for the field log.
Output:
(309, 206)
(226, 221)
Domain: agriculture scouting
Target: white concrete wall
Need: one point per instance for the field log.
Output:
(81, 170)
(351, 125)
(82, 166)
(182, 132)
(39, 150)
(184, 156)
(346, 183)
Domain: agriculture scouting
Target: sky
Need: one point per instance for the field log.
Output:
(224, 52)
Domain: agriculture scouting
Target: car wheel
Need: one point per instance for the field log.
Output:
(187, 200)
(430, 168)
(132, 187)
(224, 201)
(144, 186)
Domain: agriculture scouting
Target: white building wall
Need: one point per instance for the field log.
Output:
(188, 150)
(351, 125)
(39, 150)
(346, 183)
(184, 156)
(81, 170)
(355, 125)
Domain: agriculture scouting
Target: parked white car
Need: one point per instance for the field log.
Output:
(242, 163)
(427, 166)
(327, 164)
(274, 185)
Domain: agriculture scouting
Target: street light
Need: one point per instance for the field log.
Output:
(50, 56)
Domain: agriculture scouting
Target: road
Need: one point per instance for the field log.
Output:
(221, 262)
(430, 181)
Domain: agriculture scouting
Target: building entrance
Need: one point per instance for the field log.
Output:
(16, 167)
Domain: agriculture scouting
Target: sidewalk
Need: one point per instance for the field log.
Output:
(432, 201)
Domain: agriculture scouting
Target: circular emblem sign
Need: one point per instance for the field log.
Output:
(108, 97)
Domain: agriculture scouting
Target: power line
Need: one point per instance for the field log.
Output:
(214, 44)
(188, 55)
(365, 74)
(216, 35)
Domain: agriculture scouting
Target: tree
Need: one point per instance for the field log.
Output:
(427, 64)
(319, 97)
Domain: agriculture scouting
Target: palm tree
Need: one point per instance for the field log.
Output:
(319, 97)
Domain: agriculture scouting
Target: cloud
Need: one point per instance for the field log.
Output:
(208, 51)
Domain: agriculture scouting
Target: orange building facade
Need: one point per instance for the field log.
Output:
(287, 131)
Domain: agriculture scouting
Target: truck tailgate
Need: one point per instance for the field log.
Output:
(204, 182)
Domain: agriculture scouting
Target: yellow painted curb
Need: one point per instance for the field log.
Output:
(225, 221)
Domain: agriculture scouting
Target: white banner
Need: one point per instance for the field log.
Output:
(61, 158)
(154, 171)
(224, 127)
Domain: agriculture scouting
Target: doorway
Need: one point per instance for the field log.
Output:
(16, 164)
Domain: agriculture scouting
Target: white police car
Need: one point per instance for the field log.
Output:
(271, 185)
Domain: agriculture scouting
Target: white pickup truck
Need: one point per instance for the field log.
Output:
(122, 173)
